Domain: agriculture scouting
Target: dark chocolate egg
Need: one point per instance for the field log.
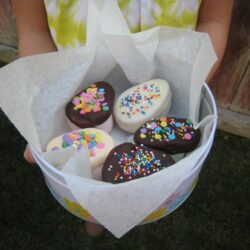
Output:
(92, 106)
(169, 134)
(129, 161)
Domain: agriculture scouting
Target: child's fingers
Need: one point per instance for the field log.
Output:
(28, 156)
(93, 229)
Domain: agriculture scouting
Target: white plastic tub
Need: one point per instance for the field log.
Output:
(62, 194)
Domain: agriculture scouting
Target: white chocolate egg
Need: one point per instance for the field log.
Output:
(99, 143)
(142, 102)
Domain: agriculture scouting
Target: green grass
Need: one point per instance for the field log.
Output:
(216, 216)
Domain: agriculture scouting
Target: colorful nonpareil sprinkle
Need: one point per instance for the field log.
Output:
(78, 138)
(168, 129)
(140, 100)
(137, 162)
(91, 100)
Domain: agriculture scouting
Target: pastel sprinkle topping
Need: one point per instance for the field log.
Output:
(177, 124)
(140, 100)
(172, 136)
(163, 124)
(91, 100)
(143, 131)
(90, 139)
(167, 129)
(188, 136)
(138, 161)
(157, 136)
(100, 145)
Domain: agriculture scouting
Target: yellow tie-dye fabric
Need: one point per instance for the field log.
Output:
(67, 18)
(67, 22)
(176, 13)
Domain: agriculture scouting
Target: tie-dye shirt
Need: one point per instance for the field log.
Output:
(67, 18)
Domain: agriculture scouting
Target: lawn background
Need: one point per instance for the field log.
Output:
(215, 216)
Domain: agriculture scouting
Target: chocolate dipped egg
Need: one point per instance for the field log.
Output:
(98, 142)
(138, 104)
(92, 107)
(129, 161)
(169, 134)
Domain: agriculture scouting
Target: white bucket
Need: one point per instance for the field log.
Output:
(62, 194)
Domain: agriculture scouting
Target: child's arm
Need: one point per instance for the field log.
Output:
(214, 18)
(33, 35)
(32, 27)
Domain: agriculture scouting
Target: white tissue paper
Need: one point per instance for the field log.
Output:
(35, 89)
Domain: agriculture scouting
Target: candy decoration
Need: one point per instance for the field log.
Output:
(129, 161)
(90, 139)
(90, 100)
(170, 134)
(162, 128)
(188, 136)
(140, 100)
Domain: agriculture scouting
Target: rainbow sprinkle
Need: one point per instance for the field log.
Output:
(91, 100)
(167, 129)
(140, 100)
(78, 138)
(138, 162)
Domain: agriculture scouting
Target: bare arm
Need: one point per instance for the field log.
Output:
(33, 35)
(214, 18)
(33, 32)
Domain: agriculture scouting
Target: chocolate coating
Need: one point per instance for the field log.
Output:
(91, 119)
(169, 134)
(129, 161)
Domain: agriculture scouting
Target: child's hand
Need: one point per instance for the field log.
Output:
(28, 156)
